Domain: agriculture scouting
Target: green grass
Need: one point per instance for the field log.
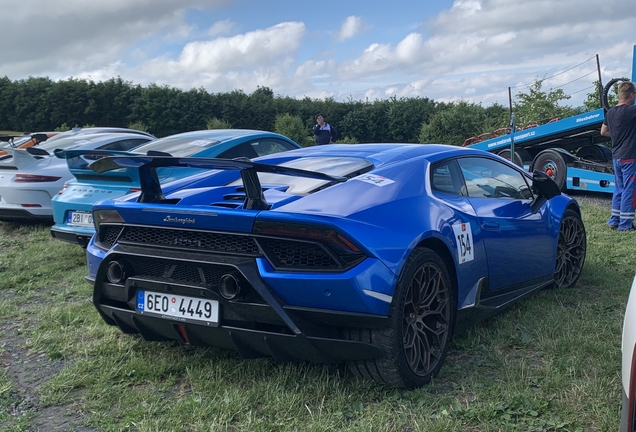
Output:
(549, 363)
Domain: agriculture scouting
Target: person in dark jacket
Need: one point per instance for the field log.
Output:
(620, 126)
(325, 133)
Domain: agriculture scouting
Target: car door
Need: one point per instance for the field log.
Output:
(519, 245)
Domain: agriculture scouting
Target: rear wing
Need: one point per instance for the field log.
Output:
(254, 198)
(81, 159)
(38, 138)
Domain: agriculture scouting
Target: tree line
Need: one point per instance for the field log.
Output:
(42, 104)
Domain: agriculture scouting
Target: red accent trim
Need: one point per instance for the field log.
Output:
(627, 160)
(182, 332)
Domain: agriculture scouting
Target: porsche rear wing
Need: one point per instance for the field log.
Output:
(254, 198)
(38, 137)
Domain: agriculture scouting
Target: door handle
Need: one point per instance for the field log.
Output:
(491, 225)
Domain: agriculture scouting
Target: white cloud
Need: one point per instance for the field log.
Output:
(221, 27)
(66, 37)
(352, 26)
(476, 38)
(250, 49)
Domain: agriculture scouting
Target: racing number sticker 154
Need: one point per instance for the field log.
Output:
(464, 239)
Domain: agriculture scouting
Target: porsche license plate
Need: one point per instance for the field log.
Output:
(177, 307)
(80, 219)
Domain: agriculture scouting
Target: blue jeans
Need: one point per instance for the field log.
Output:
(624, 197)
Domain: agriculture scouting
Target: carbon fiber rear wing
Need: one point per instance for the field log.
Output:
(254, 198)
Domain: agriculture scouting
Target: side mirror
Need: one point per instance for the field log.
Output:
(544, 185)
(545, 188)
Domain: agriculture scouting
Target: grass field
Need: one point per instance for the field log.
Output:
(549, 363)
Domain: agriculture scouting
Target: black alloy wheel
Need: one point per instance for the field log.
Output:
(421, 323)
(426, 319)
(571, 249)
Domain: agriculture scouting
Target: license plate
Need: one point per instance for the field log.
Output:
(80, 219)
(177, 307)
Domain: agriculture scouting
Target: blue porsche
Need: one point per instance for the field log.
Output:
(72, 206)
(369, 254)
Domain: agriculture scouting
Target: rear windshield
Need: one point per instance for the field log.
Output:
(336, 166)
(178, 146)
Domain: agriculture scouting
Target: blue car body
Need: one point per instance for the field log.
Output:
(370, 254)
(72, 207)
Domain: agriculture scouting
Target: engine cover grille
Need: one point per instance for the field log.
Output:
(192, 240)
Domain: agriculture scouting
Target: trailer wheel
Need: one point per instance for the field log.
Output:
(521, 156)
(553, 164)
(595, 153)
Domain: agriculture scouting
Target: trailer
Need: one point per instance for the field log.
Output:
(571, 150)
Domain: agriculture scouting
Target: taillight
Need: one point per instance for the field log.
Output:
(299, 247)
(63, 189)
(106, 216)
(307, 232)
(34, 178)
(133, 190)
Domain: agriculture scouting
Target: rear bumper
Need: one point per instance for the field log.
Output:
(248, 343)
(81, 239)
(15, 214)
(255, 324)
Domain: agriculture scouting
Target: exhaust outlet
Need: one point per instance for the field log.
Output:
(117, 272)
(229, 286)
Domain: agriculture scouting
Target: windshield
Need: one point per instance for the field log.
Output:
(336, 166)
(178, 146)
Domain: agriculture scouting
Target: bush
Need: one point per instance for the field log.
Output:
(293, 128)
(216, 123)
(138, 125)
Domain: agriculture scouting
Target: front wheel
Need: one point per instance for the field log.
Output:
(421, 323)
(571, 250)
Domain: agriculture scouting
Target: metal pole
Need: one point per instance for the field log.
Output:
(600, 82)
(512, 127)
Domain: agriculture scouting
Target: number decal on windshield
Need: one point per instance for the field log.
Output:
(464, 239)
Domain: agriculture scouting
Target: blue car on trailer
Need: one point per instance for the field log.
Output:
(72, 206)
(370, 254)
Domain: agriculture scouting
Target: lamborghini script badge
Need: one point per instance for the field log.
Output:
(179, 220)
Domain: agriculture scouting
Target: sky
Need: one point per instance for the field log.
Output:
(445, 50)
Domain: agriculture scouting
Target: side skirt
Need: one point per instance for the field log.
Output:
(488, 303)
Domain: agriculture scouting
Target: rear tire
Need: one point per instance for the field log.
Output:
(571, 250)
(421, 323)
(595, 153)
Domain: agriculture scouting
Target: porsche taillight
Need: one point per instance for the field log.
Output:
(34, 178)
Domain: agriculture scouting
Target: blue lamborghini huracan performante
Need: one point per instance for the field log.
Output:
(369, 254)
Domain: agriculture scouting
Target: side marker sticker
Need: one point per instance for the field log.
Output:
(374, 179)
(464, 238)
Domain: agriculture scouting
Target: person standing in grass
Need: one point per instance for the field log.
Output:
(325, 133)
(620, 125)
